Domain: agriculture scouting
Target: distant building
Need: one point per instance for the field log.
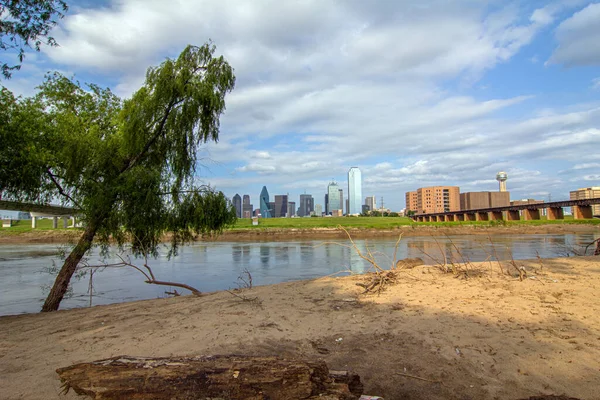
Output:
(411, 201)
(307, 204)
(247, 208)
(237, 204)
(436, 199)
(333, 197)
(479, 200)
(326, 203)
(281, 205)
(272, 208)
(370, 201)
(354, 191)
(365, 209)
(265, 209)
(587, 193)
(291, 209)
(342, 200)
(318, 210)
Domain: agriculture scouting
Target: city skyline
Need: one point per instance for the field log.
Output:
(314, 96)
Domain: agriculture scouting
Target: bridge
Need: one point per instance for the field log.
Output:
(582, 209)
(41, 210)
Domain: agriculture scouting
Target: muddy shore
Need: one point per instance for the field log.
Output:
(281, 234)
(485, 336)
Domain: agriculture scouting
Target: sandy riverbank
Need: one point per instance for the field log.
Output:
(489, 337)
(277, 234)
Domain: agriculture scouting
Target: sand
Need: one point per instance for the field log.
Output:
(431, 336)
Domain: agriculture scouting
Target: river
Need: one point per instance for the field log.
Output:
(211, 266)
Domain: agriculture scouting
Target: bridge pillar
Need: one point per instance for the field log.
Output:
(459, 217)
(582, 212)
(496, 216)
(65, 223)
(530, 215)
(73, 222)
(482, 216)
(470, 217)
(54, 222)
(513, 215)
(449, 218)
(439, 218)
(33, 222)
(555, 213)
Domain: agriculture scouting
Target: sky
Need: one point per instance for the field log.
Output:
(414, 93)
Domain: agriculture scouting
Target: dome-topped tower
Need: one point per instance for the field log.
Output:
(501, 177)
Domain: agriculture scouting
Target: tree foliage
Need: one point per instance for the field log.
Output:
(127, 166)
(27, 23)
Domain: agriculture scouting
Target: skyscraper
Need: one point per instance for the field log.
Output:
(354, 191)
(342, 201)
(307, 204)
(333, 197)
(265, 209)
(246, 207)
(326, 203)
(237, 203)
(370, 201)
(281, 205)
(291, 209)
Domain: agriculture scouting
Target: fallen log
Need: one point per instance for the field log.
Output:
(211, 377)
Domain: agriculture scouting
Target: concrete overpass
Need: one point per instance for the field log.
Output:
(41, 210)
(582, 209)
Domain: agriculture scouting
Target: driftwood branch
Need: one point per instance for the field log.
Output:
(226, 377)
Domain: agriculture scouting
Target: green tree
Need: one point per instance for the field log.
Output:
(27, 23)
(127, 166)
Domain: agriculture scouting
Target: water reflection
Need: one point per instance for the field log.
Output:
(265, 253)
(215, 266)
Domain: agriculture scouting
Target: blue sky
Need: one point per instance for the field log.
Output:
(414, 93)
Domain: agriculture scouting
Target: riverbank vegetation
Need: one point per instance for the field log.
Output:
(245, 224)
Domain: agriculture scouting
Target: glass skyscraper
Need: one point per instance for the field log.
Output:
(333, 197)
(354, 191)
(265, 211)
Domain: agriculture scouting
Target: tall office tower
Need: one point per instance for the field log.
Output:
(371, 202)
(291, 209)
(347, 205)
(333, 197)
(327, 204)
(265, 209)
(501, 177)
(342, 200)
(436, 199)
(281, 205)
(246, 207)
(237, 203)
(272, 208)
(354, 191)
(307, 204)
(318, 210)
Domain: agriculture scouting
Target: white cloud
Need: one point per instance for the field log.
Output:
(596, 83)
(325, 85)
(578, 38)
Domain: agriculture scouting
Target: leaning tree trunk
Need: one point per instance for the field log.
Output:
(61, 283)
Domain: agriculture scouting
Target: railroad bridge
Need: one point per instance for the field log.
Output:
(581, 209)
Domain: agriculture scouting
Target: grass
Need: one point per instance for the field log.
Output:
(389, 222)
(329, 222)
(333, 222)
(24, 225)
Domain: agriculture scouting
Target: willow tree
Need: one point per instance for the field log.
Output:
(128, 167)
